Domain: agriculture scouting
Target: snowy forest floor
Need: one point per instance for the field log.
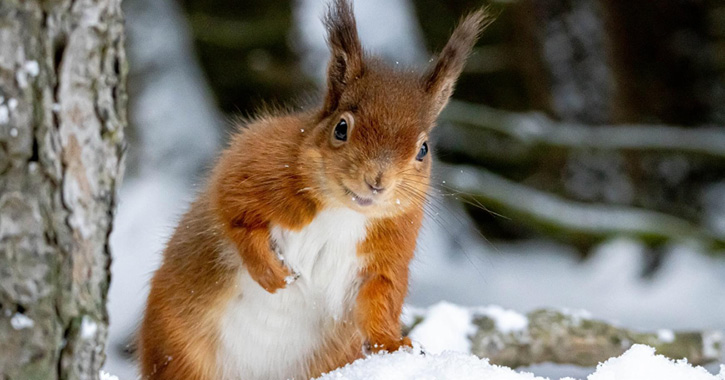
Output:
(638, 363)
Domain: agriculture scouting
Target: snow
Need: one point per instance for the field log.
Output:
(457, 265)
(712, 342)
(4, 114)
(506, 321)
(448, 327)
(21, 75)
(88, 328)
(666, 335)
(290, 279)
(20, 321)
(641, 363)
(577, 316)
(31, 67)
(107, 376)
(638, 363)
(445, 327)
(403, 365)
(454, 263)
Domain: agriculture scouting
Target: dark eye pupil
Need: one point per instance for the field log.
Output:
(341, 130)
(423, 151)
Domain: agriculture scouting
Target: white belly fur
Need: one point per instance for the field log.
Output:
(271, 336)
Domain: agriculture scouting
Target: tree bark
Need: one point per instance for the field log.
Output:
(62, 115)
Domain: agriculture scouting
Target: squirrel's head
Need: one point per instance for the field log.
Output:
(370, 148)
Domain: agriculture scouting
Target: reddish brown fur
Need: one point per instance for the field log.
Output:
(388, 248)
(282, 170)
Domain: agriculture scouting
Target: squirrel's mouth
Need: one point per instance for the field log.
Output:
(360, 201)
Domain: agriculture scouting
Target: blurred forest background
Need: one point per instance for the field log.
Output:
(584, 66)
(581, 162)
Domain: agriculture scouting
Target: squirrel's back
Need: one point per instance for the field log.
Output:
(178, 338)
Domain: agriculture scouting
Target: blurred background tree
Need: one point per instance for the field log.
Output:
(245, 50)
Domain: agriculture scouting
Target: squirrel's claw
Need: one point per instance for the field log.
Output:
(291, 278)
(276, 273)
(272, 278)
(404, 343)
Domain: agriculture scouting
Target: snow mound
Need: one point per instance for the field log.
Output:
(638, 363)
(403, 365)
(448, 327)
(641, 363)
(107, 376)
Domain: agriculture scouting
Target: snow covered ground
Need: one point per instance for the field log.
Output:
(454, 265)
(639, 363)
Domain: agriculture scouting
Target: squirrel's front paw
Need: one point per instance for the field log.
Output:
(272, 278)
(272, 274)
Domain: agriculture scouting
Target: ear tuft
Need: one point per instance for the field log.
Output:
(346, 58)
(441, 79)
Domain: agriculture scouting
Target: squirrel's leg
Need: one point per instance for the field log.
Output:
(261, 261)
(387, 250)
(379, 305)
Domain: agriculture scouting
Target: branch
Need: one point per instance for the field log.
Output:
(575, 219)
(534, 129)
(514, 340)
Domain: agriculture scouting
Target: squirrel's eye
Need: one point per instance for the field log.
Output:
(341, 130)
(422, 152)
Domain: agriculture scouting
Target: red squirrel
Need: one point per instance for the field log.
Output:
(293, 260)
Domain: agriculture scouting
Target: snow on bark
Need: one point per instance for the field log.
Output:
(63, 102)
(508, 338)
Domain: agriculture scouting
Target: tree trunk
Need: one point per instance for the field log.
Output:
(62, 113)
(570, 38)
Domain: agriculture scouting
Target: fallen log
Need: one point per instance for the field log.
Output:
(557, 336)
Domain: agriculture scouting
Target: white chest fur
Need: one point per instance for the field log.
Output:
(271, 336)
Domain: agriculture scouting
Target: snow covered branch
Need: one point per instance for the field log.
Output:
(511, 339)
(474, 121)
(575, 220)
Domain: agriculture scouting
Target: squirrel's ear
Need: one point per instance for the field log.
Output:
(441, 78)
(346, 58)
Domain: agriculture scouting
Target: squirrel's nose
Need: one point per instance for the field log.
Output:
(376, 186)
